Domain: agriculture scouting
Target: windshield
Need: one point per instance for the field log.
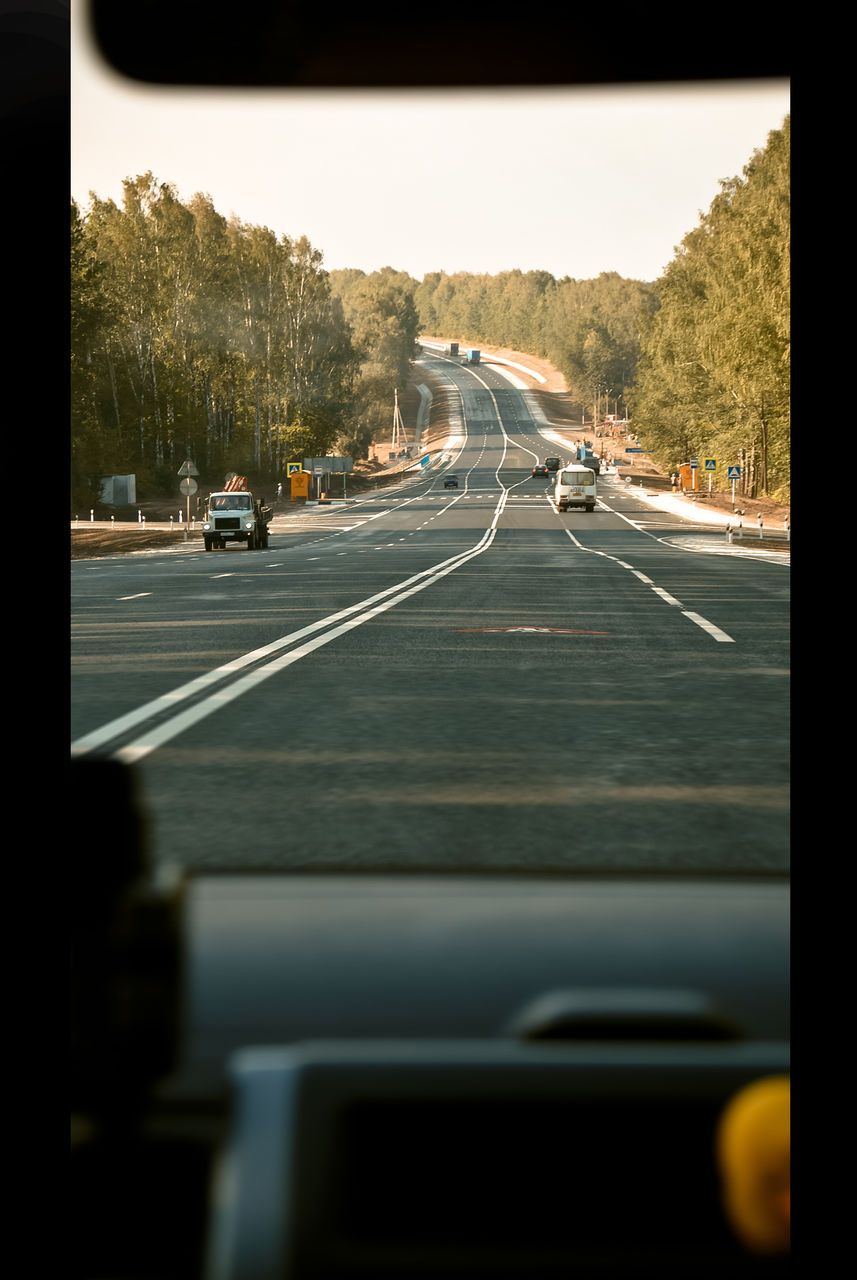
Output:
(231, 502)
(386, 676)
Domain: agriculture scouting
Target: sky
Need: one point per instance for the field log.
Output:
(572, 181)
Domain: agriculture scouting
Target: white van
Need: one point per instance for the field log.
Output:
(575, 487)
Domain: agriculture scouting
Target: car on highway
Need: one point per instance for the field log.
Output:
(540, 470)
(552, 464)
(450, 482)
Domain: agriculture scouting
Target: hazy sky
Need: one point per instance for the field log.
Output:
(570, 181)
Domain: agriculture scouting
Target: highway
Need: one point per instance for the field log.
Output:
(448, 679)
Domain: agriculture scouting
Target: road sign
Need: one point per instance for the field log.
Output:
(188, 487)
(187, 469)
(733, 473)
(293, 468)
(329, 465)
(694, 462)
(710, 464)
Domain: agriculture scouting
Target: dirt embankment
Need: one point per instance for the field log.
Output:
(552, 395)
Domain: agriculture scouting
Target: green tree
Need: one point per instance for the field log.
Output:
(382, 316)
(92, 452)
(714, 373)
(201, 337)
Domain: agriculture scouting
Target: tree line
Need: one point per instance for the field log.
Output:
(588, 329)
(699, 359)
(714, 370)
(197, 336)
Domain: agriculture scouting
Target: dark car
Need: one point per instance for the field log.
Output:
(451, 482)
(552, 464)
(540, 470)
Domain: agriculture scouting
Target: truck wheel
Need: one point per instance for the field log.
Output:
(251, 542)
(207, 542)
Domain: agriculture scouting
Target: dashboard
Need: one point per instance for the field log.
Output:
(402, 1075)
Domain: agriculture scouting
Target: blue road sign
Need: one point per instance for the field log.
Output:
(694, 462)
(733, 473)
(710, 464)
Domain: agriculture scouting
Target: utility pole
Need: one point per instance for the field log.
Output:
(398, 426)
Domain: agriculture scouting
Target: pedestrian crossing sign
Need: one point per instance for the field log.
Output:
(293, 468)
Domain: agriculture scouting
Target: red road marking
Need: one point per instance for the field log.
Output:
(554, 631)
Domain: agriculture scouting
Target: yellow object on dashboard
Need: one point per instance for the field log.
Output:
(753, 1150)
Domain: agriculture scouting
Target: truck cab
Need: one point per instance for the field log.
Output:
(233, 515)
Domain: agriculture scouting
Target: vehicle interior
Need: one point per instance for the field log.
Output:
(435, 1073)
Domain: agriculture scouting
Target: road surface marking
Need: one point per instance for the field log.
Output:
(715, 632)
(356, 614)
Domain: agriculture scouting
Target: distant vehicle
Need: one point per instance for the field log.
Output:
(451, 482)
(472, 355)
(234, 515)
(587, 458)
(540, 470)
(552, 464)
(576, 486)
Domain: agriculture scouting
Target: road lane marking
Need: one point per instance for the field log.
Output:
(202, 685)
(357, 614)
(709, 627)
(715, 632)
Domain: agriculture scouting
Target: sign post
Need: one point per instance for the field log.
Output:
(694, 466)
(710, 467)
(188, 486)
(733, 474)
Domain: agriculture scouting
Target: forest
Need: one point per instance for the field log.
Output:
(198, 336)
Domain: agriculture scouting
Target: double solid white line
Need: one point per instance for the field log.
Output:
(195, 707)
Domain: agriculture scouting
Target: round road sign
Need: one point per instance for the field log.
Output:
(188, 487)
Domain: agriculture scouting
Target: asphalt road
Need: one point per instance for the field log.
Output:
(445, 679)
